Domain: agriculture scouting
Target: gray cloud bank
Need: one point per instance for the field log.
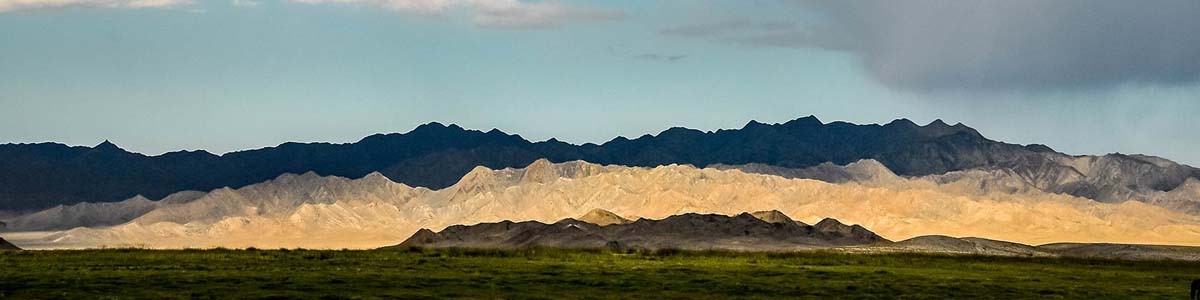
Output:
(1038, 45)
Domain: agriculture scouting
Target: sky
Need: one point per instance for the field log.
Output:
(1081, 76)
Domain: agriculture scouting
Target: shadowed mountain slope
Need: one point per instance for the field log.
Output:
(686, 231)
(5, 245)
(35, 176)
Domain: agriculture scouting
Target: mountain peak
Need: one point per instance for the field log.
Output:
(307, 176)
(870, 169)
(772, 216)
(935, 128)
(830, 223)
(434, 124)
(433, 128)
(678, 132)
(902, 122)
(540, 171)
(479, 171)
(476, 177)
(754, 124)
(375, 177)
(1039, 148)
(108, 146)
(809, 121)
(602, 217)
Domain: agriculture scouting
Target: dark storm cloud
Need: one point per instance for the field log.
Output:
(927, 45)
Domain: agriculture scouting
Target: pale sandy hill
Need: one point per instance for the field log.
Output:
(332, 212)
(602, 217)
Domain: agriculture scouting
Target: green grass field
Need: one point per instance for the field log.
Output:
(572, 274)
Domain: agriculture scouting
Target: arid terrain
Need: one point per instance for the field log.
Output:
(313, 211)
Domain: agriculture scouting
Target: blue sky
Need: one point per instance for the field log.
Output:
(163, 75)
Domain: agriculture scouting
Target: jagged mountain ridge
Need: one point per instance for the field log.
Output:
(1183, 198)
(314, 211)
(36, 176)
(685, 231)
(87, 214)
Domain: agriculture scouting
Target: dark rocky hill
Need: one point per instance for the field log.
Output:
(686, 231)
(5, 245)
(35, 176)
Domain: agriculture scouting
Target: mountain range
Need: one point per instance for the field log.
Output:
(435, 156)
(312, 211)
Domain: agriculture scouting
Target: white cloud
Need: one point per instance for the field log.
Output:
(516, 14)
(416, 7)
(491, 13)
(13, 5)
(511, 14)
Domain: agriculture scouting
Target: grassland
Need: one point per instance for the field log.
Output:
(572, 274)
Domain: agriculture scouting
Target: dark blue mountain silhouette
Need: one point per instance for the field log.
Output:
(433, 155)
